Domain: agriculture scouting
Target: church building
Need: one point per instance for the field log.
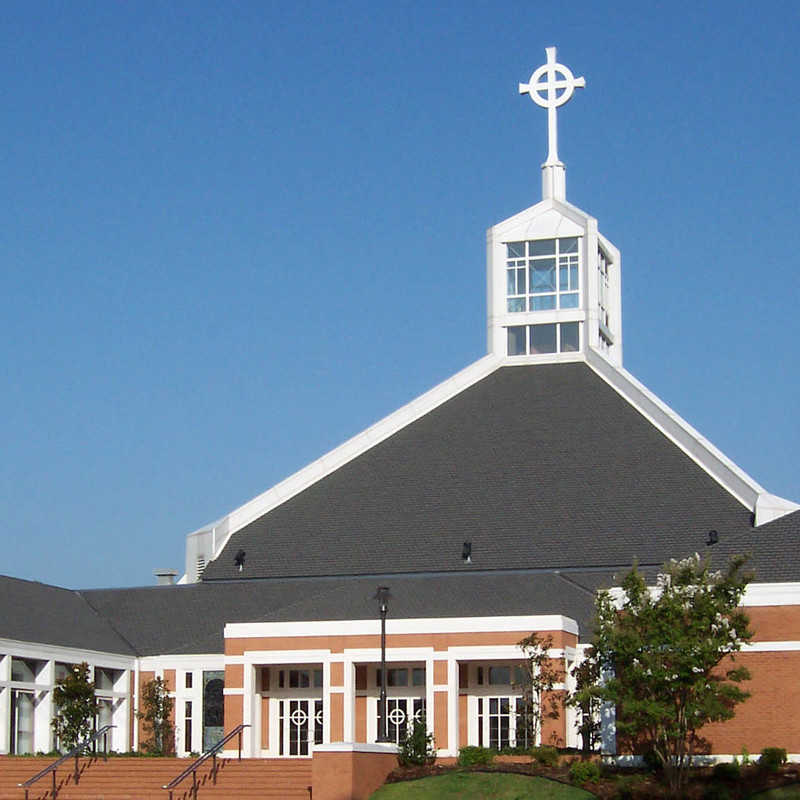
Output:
(493, 506)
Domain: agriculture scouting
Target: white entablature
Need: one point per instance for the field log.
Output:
(553, 281)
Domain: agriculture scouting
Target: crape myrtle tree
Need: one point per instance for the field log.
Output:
(667, 658)
(75, 704)
(157, 717)
(536, 681)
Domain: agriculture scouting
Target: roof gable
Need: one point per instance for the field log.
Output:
(542, 466)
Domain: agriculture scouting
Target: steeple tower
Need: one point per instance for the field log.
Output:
(553, 281)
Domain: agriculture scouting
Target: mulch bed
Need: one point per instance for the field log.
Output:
(643, 785)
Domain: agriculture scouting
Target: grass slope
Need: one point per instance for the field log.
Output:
(479, 786)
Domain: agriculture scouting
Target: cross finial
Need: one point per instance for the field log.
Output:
(550, 86)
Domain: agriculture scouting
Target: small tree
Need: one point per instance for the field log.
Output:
(538, 678)
(75, 706)
(667, 659)
(417, 748)
(156, 716)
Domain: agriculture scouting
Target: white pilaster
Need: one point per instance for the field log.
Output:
(5, 704)
(452, 706)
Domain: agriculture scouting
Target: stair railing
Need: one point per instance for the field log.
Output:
(74, 753)
(210, 753)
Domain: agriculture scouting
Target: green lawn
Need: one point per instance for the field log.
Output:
(479, 786)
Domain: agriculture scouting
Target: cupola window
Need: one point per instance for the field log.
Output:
(603, 269)
(543, 274)
(554, 337)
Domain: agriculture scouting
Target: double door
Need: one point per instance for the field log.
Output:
(300, 723)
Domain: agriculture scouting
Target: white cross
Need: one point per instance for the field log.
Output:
(544, 88)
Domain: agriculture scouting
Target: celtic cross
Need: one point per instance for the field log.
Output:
(550, 86)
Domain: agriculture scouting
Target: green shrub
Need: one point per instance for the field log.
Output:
(417, 748)
(581, 772)
(772, 758)
(727, 771)
(651, 761)
(545, 756)
(475, 756)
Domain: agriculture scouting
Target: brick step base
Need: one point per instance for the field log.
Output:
(142, 779)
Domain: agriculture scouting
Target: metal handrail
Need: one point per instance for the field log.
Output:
(75, 752)
(210, 753)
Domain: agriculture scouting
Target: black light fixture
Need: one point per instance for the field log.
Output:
(238, 559)
(382, 596)
(713, 538)
(466, 552)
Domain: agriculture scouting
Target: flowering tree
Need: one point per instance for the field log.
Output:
(539, 675)
(668, 657)
(75, 706)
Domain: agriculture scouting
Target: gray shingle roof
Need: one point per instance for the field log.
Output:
(557, 481)
(37, 612)
(190, 619)
(540, 466)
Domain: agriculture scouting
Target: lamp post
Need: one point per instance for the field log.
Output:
(382, 596)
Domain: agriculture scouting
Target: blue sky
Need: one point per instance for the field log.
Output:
(235, 234)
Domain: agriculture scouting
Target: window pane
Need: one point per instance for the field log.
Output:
(569, 337)
(543, 247)
(543, 275)
(516, 340)
(499, 675)
(317, 678)
(569, 300)
(103, 679)
(418, 676)
(516, 304)
(397, 677)
(543, 338)
(543, 302)
(568, 245)
(511, 281)
(516, 249)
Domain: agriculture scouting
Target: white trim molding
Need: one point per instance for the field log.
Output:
(371, 627)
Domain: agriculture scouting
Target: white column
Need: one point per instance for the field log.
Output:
(135, 742)
(349, 702)
(248, 715)
(44, 709)
(452, 706)
(326, 704)
(120, 735)
(429, 695)
(5, 704)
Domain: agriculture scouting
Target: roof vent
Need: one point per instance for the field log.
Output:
(466, 552)
(165, 577)
(238, 560)
(713, 538)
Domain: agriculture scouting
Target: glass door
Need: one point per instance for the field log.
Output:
(21, 722)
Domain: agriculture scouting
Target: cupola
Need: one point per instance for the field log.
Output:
(553, 280)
